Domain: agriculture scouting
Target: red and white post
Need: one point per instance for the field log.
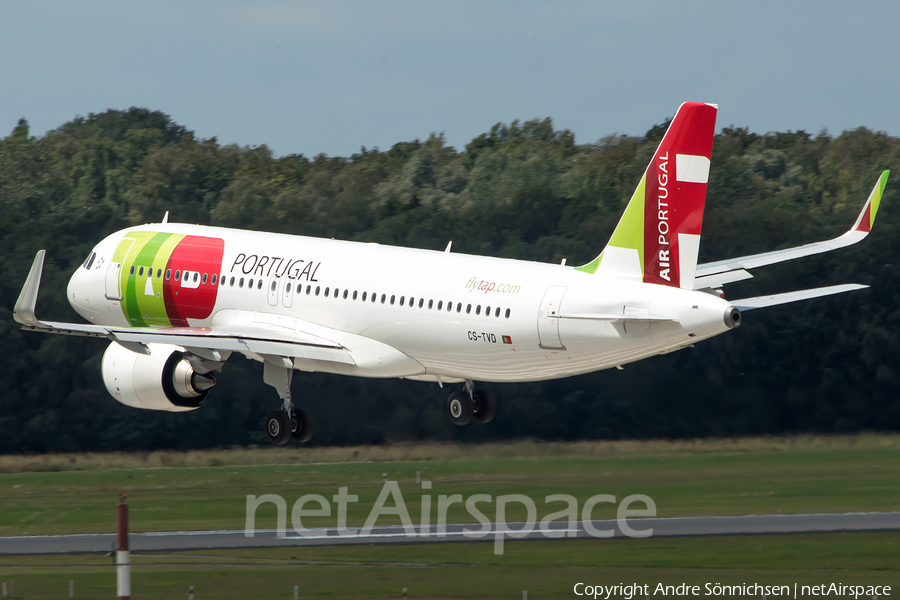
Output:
(123, 559)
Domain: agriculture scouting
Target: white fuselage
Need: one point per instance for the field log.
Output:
(503, 323)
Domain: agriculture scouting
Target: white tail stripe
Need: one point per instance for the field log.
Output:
(691, 169)
(688, 249)
(623, 263)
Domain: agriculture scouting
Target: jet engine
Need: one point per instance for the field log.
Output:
(162, 380)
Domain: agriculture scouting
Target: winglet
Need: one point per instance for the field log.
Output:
(866, 218)
(24, 310)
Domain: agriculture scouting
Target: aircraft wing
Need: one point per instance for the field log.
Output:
(776, 299)
(716, 274)
(263, 339)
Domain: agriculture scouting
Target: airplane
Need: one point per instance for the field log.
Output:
(177, 300)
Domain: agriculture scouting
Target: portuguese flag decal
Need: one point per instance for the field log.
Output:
(506, 339)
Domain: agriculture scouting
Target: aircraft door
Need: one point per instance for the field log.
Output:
(113, 281)
(114, 270)
(548, 321)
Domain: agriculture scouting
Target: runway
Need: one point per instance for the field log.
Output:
(683, 526)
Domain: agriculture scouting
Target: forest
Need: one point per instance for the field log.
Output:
(521, 190)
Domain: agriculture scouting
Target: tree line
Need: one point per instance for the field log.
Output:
(521, 190)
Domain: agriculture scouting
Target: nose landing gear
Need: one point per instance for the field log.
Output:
(471, 403)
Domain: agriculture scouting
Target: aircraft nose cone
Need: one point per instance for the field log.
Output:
(78, 292)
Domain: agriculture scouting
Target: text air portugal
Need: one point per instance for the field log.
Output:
(673, 205)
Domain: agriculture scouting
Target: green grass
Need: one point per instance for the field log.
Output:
(207, 490)
(701, 478)
(547, 569)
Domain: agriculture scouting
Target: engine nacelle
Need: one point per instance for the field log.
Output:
(162, 380)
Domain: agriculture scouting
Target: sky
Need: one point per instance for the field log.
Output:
(334, 76)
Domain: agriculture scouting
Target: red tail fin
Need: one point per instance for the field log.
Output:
(658, 237)
(675, 195)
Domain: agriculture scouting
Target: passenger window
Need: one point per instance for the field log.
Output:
(318, 287)
(392, 299)
(345, 294)
(287, 288)
(440, 304)
(354, 294)
(507, 313)
(308, 288)
(168, 274)
(422, 302)
(141, 272)
(327, 292)
(214, 279)
(231, 284)
(364, 297)
(204, 279)
(402, 300)
(459, 307)
(275, 285)
(336, 292)
(468, 308)
(487, 311)
(241, 282)
(497, 314)
(383, 298)
(131, 272)
(299, 288)
(450, 306)
(259, 284)
(158, 273)
(374, 296)
(196, 276)
(477, 310)
(177, 275)
(250, 283)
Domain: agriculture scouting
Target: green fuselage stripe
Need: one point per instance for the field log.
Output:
(141, 309)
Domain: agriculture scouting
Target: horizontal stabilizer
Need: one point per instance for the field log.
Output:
(776, 299)
(720, 279)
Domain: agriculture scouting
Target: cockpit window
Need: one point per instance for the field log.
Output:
(89, 260)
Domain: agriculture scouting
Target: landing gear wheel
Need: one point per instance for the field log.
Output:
(484, 406)
(459, 407)
(301, 425)
(278, 427)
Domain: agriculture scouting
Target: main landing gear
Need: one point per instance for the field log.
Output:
(289, 422)
(470, 403)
